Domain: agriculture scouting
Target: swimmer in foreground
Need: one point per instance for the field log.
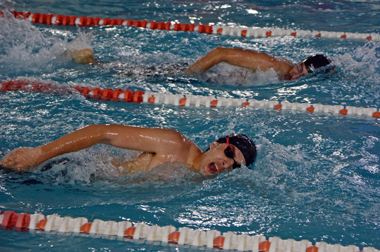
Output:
(249, 59)
(159, 145)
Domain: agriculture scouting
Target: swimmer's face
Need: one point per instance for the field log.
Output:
(215, 160)
(297, 71)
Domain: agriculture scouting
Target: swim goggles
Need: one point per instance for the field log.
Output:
(229, 152)
(300, 69)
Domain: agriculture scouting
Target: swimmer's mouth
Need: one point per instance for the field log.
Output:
(213, 168)
(288, 77)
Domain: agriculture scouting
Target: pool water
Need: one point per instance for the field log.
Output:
(316, 176)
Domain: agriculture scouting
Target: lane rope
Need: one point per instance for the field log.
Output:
(127, 231)
(221, 29)
(149, 97)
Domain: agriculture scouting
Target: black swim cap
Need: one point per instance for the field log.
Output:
(316, 61)
(244, 144)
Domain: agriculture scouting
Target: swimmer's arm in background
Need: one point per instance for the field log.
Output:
(239, 57)
(151, 140)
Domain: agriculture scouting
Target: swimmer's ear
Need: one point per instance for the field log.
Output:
(213, 144)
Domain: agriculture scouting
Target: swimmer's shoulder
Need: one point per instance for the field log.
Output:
(283, 66)
(179, 147)
(180, 143)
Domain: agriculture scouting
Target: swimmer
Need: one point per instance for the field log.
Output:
(84, 56)
(253, 60)
(159, 146)
(244, 58)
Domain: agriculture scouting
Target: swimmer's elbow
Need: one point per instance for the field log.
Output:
(98, 131)
(220, 52)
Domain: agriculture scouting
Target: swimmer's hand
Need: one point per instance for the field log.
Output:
(84, 56)
(22, 159)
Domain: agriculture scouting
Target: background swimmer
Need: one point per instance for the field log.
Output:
(159, 145)
(253, 60)
(248, 59)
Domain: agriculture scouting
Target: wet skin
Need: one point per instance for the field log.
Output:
(159, 145)
(297, 71)
(215, 161)
(248, 59)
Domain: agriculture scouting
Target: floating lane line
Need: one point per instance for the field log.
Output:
(128, 231)
(197, 101)
(221, 29)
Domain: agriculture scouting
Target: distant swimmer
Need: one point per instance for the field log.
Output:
(255, 61)
(159, 146)
(248, 59)
(84, 56)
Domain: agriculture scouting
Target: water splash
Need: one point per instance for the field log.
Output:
(363, 63)
(27, 49)
(225, 74)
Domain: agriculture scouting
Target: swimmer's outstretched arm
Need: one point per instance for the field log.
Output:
(168, 144)
(240, 57)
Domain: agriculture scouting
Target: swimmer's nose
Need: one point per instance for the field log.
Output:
(294, 76)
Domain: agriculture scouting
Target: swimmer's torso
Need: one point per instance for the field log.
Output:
(139, 164)
(142, 163)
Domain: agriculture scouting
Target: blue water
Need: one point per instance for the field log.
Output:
(316, 177)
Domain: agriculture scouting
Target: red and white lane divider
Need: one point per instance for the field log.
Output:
(240, 31)
(125, 230)
(118, 95)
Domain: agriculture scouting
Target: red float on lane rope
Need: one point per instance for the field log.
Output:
(85, 228)
(219, 242)
(130, 232)
(174, 237)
